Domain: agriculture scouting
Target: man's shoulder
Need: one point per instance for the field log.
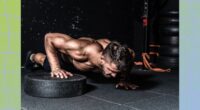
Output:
(103, 42)
(93, 47)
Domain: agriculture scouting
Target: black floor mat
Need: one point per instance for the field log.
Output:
(158, 91)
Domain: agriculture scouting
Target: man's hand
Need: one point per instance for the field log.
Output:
(126, 85)
(60, 73)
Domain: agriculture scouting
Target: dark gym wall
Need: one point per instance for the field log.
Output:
(93, 18)
(115, 19)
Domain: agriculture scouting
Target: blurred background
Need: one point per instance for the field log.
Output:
(119, 20)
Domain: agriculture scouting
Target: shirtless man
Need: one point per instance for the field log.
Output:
(86, 54)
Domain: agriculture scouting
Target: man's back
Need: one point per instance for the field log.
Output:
(82, 52)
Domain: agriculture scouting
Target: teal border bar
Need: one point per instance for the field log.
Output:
(10, 47)
(189, 55)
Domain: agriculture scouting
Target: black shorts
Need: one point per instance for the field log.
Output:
(65, 64)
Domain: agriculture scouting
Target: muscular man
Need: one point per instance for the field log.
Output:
(86, 54)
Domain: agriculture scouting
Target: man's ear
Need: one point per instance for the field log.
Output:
(102, 59)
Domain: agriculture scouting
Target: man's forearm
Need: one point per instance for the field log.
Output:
(51, 53)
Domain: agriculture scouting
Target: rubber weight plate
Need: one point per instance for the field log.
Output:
(167, 50)
(170, 14)
(43, 85)
(165, 20)
(172, 30)
(168, 62)
(169, 40)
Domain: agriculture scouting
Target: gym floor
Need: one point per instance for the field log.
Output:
(158, 91)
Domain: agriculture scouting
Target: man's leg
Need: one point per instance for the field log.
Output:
(37, 58)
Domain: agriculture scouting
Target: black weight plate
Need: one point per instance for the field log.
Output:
(167, 21)
(168, 62)
(170, 14)
(169, 40)
(167, 50)
(43, 85)
(171, 30)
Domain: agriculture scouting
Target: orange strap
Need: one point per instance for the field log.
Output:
(152, 45)
(154, 53)
(148, 65)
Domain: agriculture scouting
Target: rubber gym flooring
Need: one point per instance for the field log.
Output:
(158, 91)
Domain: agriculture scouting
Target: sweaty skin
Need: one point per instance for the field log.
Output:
(84, 53)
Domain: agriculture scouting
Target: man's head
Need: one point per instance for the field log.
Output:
(115, 59)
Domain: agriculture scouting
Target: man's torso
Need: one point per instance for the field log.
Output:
(89, 49)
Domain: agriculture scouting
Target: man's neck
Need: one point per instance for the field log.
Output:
(97, 61)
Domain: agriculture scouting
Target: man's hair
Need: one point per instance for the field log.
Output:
(120, 55)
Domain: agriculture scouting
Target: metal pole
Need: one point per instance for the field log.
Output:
(145, 24)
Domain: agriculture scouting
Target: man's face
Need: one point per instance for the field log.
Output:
(109, 68)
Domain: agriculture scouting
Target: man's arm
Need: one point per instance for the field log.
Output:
(54, 42)
(125, 83)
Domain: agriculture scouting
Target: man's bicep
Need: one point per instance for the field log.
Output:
(63, 44)
(60, 35)
(73, 44)
(56, 39)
